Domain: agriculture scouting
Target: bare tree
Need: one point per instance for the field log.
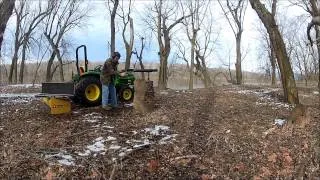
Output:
(197, 11)
(113, 13)
(28, 18)
(32, 20)
(266, 46)
(204, 48)
(182, 52)
(139, 56)
(287, 77)
(65, 16)
(41, 52)
(161, 25)
(18, 40)
(302, 59)
(126, 18)
(312, 7)
(236, 9)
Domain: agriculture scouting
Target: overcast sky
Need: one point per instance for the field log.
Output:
(97, 34)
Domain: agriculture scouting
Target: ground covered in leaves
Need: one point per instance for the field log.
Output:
(218, 133)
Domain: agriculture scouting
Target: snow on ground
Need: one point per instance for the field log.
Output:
(316, 92)
(17, 95)
(264, 97)
(92, 117)
(157, 130)
(157, 135)
(25, 85)
(60, 158)
(19, 98)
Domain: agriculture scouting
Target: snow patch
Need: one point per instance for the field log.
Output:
(63, 159)
(316, 92)
(22, 98)
(265, 99)
(167, 138)
(110, 138)
(109, 127)
(97, 146)
(279, 122)
(86, 153)
(92, 117)
(114, 147)
(157, 130)
(146, 142)
(17, 95)
(26, 85)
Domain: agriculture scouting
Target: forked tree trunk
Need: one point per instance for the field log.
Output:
(287, 77)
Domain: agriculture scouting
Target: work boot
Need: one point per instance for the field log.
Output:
(108, 108)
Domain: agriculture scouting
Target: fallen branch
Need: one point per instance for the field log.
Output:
(265, 134)
(113, 170)
(186, 157)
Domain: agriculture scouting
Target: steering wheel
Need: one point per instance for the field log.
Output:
(98, 67)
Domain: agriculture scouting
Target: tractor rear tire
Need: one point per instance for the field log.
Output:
(88, 91)
(126, 94)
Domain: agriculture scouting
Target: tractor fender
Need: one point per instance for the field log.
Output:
(94, 74)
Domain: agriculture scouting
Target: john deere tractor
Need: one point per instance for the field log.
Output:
(87, 85)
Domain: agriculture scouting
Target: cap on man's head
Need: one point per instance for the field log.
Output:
(116, 54)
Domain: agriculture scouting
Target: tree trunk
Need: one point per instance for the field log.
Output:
(56, 52)
(273, 67)
(129, 47)
(163, 73)
(238, 60)
(206, 76)
(142, 67)
(6, 8)
(13, 67)
(23, 58)
(49, 66)
(318, 48)
(113, 29)
(60, 64)
(193, 42)
(287, 77)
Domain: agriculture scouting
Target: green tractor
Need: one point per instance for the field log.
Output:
(88, 91)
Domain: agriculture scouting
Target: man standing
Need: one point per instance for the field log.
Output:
(107, 78)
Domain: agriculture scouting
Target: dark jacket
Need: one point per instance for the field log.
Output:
(108, 72)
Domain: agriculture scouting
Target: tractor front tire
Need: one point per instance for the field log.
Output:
(88, 91)
(126, 94)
